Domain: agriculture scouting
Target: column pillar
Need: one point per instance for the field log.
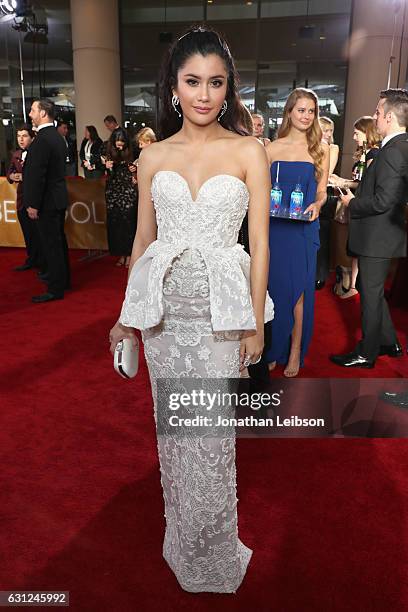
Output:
(369, 51)
(96, 58)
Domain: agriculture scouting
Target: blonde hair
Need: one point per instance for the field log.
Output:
(313, 134)
(146, 135)
(327, 122)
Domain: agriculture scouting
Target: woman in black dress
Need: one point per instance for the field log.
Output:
(121, 196)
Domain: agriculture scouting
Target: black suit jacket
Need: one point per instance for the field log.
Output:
(377, 213)
(44, 172)
(70, 150)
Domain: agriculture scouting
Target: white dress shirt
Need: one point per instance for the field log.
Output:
(87, 151)
(44, 125)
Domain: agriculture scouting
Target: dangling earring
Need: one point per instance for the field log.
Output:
(175, 102)
(223, 109)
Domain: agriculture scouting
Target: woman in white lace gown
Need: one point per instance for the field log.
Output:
(200, 302)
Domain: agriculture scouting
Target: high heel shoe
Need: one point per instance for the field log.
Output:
(342, 275)
(347, 278)
(348, 294)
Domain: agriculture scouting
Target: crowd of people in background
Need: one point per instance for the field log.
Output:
(114, 160)
(302, 153)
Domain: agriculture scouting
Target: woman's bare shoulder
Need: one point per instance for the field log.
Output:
(274, 148)
(152, 156)
(250, 143)
(249, 151)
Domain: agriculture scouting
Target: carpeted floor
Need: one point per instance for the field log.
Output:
(82, 508)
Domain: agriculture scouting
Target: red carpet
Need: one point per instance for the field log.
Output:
(82, 508)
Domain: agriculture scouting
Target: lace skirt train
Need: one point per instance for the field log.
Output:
(198, 476)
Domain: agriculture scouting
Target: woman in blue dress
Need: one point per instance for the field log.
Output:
(297, 156)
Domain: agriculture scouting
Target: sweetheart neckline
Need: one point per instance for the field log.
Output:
(194, 200)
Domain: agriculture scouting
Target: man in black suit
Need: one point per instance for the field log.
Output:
(71, 154)
(377, 229)
(46, 198)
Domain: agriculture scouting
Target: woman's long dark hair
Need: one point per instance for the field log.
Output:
(126, 154)
(204, 41)
(93, 132)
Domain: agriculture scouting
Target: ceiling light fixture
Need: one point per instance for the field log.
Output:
(8, 7)
(307, 30)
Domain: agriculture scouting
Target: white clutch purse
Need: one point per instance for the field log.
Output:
(126, 358)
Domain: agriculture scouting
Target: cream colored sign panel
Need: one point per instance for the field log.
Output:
(85, 224)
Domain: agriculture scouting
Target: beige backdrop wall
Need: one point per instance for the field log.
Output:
(85, 225)
(97, 67)
(369, 52)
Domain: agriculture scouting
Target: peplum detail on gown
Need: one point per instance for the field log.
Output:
(187, 292)
(210, 225)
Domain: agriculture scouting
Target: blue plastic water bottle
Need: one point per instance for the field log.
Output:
(276, 200)
(296, 202)
(276, 195)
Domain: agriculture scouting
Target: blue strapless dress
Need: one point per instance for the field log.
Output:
(292, 269)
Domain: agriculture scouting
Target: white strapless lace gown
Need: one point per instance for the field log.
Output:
(189, 293)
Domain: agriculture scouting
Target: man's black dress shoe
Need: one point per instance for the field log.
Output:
(396, 399)
(319, 284)
(352, 360)
(43, 276)
(46, 297)
(23, 267)
(392, 350)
